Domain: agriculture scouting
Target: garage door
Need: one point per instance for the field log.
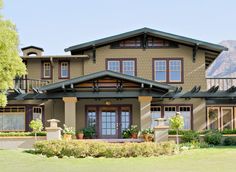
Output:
(12, 118)
(186, 113)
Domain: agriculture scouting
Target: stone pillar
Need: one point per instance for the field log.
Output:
(145, 111)
(161, 131)
(53, 131)
(70, 111)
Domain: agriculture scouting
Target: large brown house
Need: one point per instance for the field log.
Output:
(111, 83)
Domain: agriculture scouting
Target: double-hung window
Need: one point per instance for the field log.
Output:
(64, 69)
(125, 66)
(168, 70)
(47, 70)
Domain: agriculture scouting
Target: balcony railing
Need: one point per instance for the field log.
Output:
(223, 83)
(28, 84)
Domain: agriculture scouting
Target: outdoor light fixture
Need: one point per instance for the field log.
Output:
(107, 102)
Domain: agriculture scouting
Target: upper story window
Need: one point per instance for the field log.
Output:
(168, 70)
(64, 69)
(47, 70)
(125, 66)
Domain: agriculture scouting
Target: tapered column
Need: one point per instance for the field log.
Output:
(145, 111)
(70, 111)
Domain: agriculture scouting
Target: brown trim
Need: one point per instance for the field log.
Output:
(42, 69)
(59, 69)
(97, 109)
(177, 109)
(167, 69)
(121, 64)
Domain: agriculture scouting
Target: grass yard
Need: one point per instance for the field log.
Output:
(200, 160)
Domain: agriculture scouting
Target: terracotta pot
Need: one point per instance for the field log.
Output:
(134, 135)
(148, 137)
(80, 136)
(67, 137)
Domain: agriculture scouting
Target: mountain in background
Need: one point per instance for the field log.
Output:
(225, 64)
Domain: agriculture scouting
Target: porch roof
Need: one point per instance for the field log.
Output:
(96, 75)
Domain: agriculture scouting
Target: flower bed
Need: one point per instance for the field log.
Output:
(82, 149)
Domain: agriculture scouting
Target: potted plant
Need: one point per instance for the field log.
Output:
(89, 132)
(80, 134)
(148, 134)
(68, 132)
(126, 133)
(134, 131)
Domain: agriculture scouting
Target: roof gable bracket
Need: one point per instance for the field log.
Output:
(94, 54)
(195, 49)
(144, 42)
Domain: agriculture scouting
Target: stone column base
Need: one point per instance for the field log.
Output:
(53, 133)
(161, 133)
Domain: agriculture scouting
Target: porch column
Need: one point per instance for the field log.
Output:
(145, 111)
(70, 111)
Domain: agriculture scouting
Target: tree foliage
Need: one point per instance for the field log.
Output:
(11, 64)
(177, 123)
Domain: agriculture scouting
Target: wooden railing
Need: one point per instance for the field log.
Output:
(223, 83)
(28, 84)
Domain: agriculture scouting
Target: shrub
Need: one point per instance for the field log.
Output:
(190, 136)
(126, 133)
(89, 132)
(213, 137)
(228, 131)
(81, 149)
(193, 145)
(6, 134)
(229, 141)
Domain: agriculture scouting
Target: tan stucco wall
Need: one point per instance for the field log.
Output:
(194, 73)
(34, 69)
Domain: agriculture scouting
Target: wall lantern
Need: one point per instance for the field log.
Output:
(107, 102)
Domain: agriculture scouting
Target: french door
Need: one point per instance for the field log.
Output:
(109, 121)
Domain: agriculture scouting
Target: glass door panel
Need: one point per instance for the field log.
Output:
(226, 118)
(125, 119)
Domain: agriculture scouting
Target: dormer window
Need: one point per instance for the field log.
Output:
(64, 69)
(47, 70)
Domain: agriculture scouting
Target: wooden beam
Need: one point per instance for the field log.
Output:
(144, 42)
(94, 54)
(195, 49)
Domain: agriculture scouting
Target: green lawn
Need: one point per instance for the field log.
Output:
(201, 160)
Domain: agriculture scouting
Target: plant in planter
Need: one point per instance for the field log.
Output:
(126, 133)
(148, 134)
(36, 126)
(80, 134)
(89, 132)
(68, 132)
(134, 131)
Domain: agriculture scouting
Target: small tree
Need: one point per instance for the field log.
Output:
(177, 123)
(36, 126)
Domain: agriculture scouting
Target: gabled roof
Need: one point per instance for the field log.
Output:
(31, 46)
(103, 74)
(152, 32)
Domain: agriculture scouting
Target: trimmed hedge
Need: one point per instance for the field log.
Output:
(5, 134)
(229, 141)
(213, 137)
(190, 136)
(82, 149)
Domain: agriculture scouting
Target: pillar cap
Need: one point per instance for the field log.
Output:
(53, 120)
(144, 98)
(70, 99)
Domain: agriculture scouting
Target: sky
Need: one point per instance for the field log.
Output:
(57, 24)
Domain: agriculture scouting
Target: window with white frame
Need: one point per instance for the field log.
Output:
(128, 67)
(125, 66)
(175, 70)
(169, 111)
(185, 111)
(160, 70)
(47, 70)
(37, 113)
(113, 65)
(64, 69)
(168, 70)
(155, 113)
